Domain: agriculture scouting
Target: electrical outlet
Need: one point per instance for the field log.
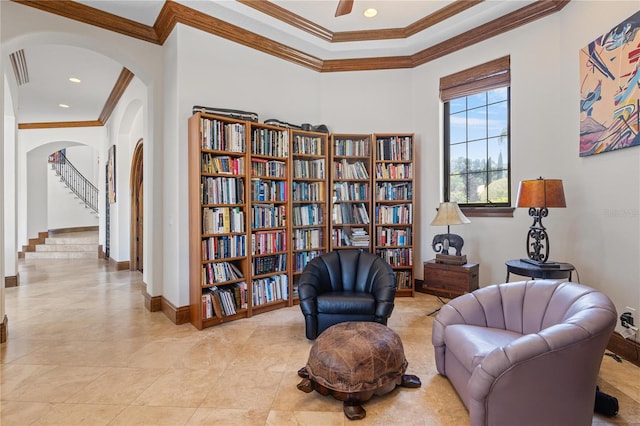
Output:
(626, 320)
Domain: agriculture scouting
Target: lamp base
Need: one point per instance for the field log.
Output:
(450, 259)
(541, 264)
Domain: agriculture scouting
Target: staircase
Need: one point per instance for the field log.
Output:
(66, 246)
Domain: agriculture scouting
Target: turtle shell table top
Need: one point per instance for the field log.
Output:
(355, 357)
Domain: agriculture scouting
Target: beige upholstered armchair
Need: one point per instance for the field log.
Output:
(525, 353)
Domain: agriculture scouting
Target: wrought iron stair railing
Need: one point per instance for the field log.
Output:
(74, 180)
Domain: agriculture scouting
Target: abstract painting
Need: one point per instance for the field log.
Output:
(610, 90)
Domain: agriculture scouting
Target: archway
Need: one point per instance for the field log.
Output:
(137, 197)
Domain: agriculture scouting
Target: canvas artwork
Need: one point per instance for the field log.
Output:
(610, 90)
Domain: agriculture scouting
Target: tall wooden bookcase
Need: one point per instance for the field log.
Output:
(350, 192)
(393, 194)
(265, 200)
(218, 220)
(270, 212)
(309, 203)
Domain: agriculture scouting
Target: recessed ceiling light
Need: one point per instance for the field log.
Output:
(63, 105)
(371, 12)
(74, 79)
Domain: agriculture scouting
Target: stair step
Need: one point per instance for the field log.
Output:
(67, 247)
(60, 255)
(71, 240)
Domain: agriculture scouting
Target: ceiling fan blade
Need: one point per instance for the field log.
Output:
(344, 7)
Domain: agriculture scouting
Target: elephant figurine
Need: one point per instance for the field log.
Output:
(442, 242)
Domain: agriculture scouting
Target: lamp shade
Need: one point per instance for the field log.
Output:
(449, 214)
(541, 193)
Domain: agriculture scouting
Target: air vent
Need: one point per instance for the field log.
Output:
(19, 62)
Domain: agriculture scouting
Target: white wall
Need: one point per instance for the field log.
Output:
(9, 178)
(64, 209)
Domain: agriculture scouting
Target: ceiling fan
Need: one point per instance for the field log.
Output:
(344, 7)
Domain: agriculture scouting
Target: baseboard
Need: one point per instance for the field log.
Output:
(4, 329)
(176, 315)
(152, 303)
(12, 281)
(101, 254)
(121, 266)
(77, 229)
(626, 348)
(33, 242)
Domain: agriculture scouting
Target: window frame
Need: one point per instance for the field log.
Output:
(479, 79)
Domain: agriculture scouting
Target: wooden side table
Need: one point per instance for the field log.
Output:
(446, 280)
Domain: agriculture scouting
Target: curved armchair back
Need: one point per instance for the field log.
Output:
(525, 353)
(345, 285)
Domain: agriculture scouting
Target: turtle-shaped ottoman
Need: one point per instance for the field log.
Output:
(352, 361)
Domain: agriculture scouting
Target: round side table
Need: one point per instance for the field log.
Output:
(526, 269)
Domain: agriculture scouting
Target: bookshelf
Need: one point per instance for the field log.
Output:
(218, 261)
(269, 217)
(393, 193)
(350, 188)
(309, 201)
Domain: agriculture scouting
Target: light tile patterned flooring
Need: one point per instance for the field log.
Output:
(82, 349)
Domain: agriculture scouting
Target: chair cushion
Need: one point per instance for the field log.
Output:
(340, 302)
(471, 344)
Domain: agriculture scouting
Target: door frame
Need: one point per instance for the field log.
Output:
(135, 183)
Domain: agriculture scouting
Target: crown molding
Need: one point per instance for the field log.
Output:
(173, 13)
(59, 124)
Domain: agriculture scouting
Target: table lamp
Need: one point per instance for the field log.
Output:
(539, 195)
(449, 214)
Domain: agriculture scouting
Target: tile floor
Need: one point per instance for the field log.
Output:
(82, 349)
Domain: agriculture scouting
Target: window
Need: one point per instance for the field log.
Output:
(476, 135)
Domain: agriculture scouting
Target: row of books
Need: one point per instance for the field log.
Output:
(222, 220)
(268, 190)
(397, 256)
(393, 236)
(401, 213)
(268, 216)
(300, 259)
(358, 147)
(220, 136)
(222, 247)
(404, 279)
(304, 239)
(394, 148)
(224, 301)
(270, 289)
(351, 191)
(308, 191)
(265, 242)
(313, 145)
(210, 163)
(308, 169)
(267, 264)
(308, 215)
(215, 273)
(350, 213)
(274, 143)
(268, 168)
(345, 170)
(222, 190)
(394, 191)
(394, 171)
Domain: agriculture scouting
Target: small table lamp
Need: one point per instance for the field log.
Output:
(449, 214)
(539, 195)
